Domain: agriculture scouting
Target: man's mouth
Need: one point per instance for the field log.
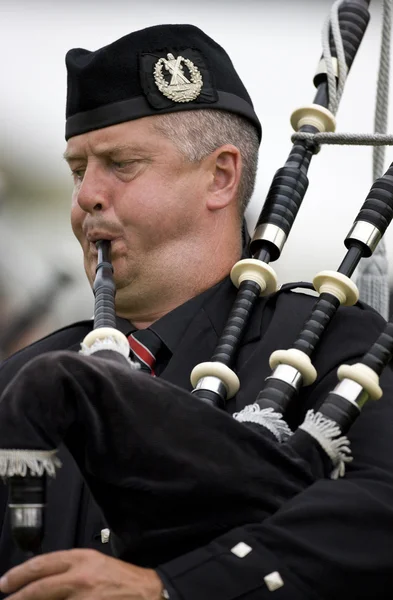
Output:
(96, 236)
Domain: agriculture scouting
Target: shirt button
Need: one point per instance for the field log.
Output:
(105, 535)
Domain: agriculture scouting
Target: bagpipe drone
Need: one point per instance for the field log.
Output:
(169, 469)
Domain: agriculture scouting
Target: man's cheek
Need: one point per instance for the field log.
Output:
(76, 219)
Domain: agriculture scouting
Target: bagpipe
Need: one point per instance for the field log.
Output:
(171, 470)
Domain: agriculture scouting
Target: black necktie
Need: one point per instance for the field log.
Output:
(145, 345)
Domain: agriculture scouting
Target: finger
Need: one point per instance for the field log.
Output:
(56, 587)
(36, 568)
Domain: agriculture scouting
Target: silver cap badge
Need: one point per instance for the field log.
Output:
(179, 89)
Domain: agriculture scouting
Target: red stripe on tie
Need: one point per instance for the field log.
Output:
(143, 353)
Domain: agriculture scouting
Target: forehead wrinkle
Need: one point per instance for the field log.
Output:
(113, 148)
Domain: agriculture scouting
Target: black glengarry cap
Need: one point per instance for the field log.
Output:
(161, 69)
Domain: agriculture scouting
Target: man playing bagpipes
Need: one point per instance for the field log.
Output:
(162, 142)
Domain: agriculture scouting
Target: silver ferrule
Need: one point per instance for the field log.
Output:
(212, 384)
(26, 515)
(351, 391)
(365, 232)
(288, 374)
(270, 233)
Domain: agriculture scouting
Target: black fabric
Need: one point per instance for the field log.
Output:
(144, 443)
(116, 83)
(76, 520)
(79, 519)
(331, 540)
(171, 328)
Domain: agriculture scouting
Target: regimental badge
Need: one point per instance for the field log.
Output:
(179, 88)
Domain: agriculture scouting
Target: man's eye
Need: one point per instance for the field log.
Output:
(78, 174)
(123, 164)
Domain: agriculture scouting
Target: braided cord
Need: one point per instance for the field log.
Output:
(382, 100)
(372, 280)
(372, 277)
(345, 139)
(335, 90)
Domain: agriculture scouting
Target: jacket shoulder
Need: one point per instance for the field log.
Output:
(350, 332)
(66, 338)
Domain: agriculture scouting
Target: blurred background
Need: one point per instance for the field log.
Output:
(275, 46)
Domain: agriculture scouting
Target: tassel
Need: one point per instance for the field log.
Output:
(328, 435)
(28, 462)
(266, 417)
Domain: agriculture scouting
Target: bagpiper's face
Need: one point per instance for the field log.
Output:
(132, 186)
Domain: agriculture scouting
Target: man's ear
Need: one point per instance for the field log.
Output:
(225, 165)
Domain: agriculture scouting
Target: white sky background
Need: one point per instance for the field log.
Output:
(275, 46)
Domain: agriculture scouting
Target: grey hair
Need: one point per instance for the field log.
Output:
(197, 133)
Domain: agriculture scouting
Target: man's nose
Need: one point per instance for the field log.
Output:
(93, 194)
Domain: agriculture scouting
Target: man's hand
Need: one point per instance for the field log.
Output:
(80, 575)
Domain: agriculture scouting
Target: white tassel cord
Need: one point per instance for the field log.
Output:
(328, 435)
(269, 419)
(28, 462)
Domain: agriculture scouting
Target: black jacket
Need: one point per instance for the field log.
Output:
(334, 540)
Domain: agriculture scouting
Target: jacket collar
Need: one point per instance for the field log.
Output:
(201, 337)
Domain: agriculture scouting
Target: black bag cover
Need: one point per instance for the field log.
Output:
(169, 472)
